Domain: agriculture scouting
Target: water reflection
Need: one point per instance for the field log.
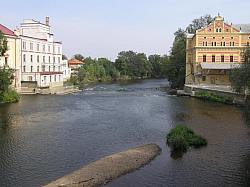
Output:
(45, 137)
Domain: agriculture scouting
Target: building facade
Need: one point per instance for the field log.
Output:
(74, 65)
(12, 58)
(66, 70)
(41, 55)
(213, 51)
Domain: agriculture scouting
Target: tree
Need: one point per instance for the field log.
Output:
(64, 57)
(199, 23)
(3, 44)
(6, 78)
(240, 76)
(155, 61)
(79, 57)
(177, 65)
(6, 74)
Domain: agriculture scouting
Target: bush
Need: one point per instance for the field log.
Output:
(213, 97)
(181, 137)
(9, 96)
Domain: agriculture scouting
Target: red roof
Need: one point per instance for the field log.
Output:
(6, 31)
(75, 62)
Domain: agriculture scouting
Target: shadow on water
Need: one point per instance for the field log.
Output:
(246, 111)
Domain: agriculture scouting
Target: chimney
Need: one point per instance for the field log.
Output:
(47, 21)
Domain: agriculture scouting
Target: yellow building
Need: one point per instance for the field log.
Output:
(213, 51)
(12, 58)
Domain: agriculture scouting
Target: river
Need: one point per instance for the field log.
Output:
(43, 138)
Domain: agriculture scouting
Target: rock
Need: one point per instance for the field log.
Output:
(108, 168)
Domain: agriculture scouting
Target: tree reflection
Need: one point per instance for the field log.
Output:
(247, 111)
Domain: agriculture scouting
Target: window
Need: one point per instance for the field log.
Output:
(43, 48)
(38, 59)
(205, 37)
(50, 78)
(31, 58)
(49, 59)
(247, 43)
(38, 69)
(31, 68)
(224, 44)
(24, 69)
(232, 38)
(31, 46)
(6, 60)
(55, 78)
(221, 44)
(59, 68)
(233, 44)
(212, 43)
(203, 78)
(24, 57)
(43, 58)
(54, 59)
(49, 68)
(38, 47)
(24, 45)
(49, 48)
(231, 58)
(215, 43)
(222, 58)
(58, 59)
(54, 68)
(206, 43)
(43, 68)
(213, 58)
(204, 58)
(30, 78)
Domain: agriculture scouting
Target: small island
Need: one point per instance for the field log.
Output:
(181, 138)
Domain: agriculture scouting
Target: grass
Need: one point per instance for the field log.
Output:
(214, 97)
(9, 96)
(181, 137)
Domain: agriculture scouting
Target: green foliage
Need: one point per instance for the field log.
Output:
(6, 78)
(181, 137)
(199, 23)
(9, 96)
(176, 69)
(208, 96)
(240, 76)
(78, 57)
(3, 44)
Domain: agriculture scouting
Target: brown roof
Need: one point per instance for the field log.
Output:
(75, 62)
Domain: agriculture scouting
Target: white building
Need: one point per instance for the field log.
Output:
(66, 70)
(41, 56)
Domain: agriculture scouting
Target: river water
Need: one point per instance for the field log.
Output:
(43, 138)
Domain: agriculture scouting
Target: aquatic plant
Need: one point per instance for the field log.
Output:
(181, 137)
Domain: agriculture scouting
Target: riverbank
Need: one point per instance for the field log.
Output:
(222, 94)
(109, 168)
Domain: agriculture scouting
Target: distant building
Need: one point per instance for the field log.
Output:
(41, 55)
(214, 50)
(12, 57)
(75, 64)
(66, 70)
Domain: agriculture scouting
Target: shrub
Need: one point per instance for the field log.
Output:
(9, 96)
(214, 97)
(181, 137)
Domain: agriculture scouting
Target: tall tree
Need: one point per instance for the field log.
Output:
(78, 57)
(6, 74)
(240, 76)
(177, 65)
(198, 23)
(3, 44)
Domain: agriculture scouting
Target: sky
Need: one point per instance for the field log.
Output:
(103, 28)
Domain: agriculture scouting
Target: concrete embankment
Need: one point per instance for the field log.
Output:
(111, 167)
